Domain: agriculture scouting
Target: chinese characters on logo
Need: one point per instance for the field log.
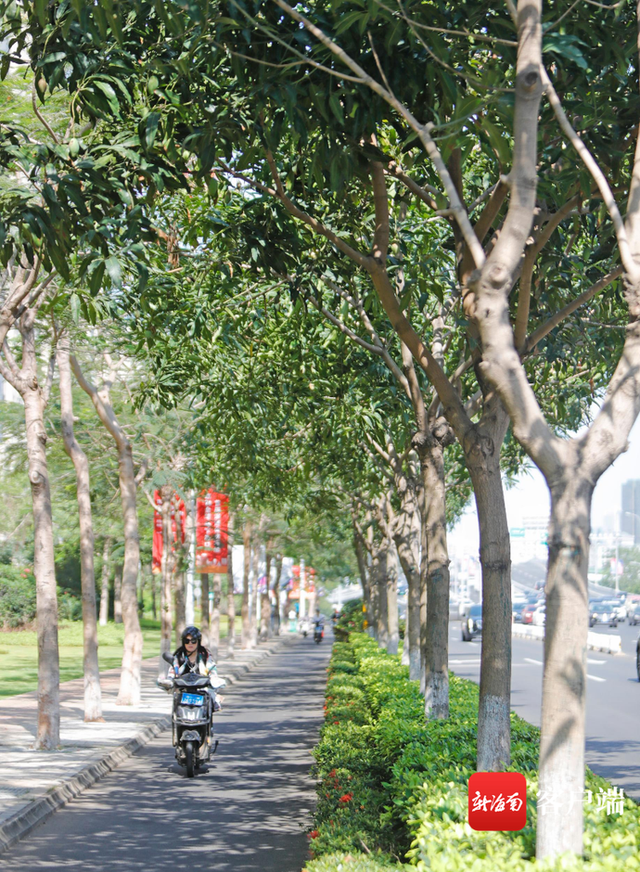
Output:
(497, 801)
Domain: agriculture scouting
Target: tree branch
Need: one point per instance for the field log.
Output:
(631, 267)
(546, 328)
(423, 131)
(425, 193)
(315, 225)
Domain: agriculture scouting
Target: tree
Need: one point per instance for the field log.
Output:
(92, 692)
(129, 693)
(24, 293)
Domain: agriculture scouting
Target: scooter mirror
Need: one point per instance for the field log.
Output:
(166, 656)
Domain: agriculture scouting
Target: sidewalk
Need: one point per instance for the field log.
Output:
(34, 784)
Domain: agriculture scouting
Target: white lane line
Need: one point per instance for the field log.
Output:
(595, 677)
(464, 661)
(537, 662)
(589, 660)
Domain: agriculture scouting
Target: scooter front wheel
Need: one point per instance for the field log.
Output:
(189, 759)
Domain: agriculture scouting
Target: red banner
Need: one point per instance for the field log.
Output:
(158, 538)
(212, 531)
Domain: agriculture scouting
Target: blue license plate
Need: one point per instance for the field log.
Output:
(192, 699)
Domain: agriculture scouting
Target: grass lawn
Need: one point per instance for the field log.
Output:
(19, 651)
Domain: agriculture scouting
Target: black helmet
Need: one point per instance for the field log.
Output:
(194, 632)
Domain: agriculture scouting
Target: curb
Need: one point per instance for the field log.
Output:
(36, 812)
(609, 644)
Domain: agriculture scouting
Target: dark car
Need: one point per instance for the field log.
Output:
(602, 613)
(472, 623)
(638, 657)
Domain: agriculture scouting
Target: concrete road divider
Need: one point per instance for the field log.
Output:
(610, 644)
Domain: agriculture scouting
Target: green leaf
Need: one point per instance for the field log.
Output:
(151, 128)
(112, 265)
(110, 94)
(95, 279)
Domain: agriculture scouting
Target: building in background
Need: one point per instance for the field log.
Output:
(630, 515)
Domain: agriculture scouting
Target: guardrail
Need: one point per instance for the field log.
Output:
(610, 644)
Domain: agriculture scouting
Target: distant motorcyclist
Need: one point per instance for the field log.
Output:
(192, 656)
(318, 627)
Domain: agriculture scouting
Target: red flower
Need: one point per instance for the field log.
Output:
(314, 834)
(346, 798)
(332, 774)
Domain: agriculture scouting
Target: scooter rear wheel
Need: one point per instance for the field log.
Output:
(190, 759)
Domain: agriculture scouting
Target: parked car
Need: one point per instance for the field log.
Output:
(602, 613)
(634, 614)
(631, 601)
(539, 616)
(617, 606)
(517, 608)
(472, 623)
(527, 613)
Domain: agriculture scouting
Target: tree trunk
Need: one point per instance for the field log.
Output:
(244, 609)
(154, 603)
(361, 556)
(424, 573)
(214, 635)
(494, 720)
(436, 643)
(561, 767)
(104, 588)
(180, 611)
(392, 598)
(231, 603)
(379, 578)
(179, 574)
(117, 594)
(253, 611)
(407, 540)
(165, 574)
(92, 692)
(276, 593)
(141, 585)
(129, 693)
(48, 734)
(265, 607)
(205, 625)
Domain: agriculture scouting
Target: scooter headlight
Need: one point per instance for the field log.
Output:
(470, 623)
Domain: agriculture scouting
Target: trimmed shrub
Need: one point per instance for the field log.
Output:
(17, 596)
(393, 788)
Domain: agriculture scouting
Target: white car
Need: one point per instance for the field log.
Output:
(539, 616)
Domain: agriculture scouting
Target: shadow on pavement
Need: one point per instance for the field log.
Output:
(249, 811)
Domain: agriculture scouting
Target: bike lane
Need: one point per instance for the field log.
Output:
(250, 809)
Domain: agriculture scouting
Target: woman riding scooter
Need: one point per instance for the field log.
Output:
(192, 656)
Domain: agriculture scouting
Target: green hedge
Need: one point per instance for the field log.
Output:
(17, 596)
(393, 789)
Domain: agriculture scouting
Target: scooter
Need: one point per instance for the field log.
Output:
(192, 716)
(318, 634)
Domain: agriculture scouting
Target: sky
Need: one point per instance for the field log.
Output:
(530, 498)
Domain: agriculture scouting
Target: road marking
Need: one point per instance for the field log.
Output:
(595, 677)
(537, 662)
(465, 661)
(589, 660)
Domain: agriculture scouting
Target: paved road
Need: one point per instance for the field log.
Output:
(613, 699)
(250, 811)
